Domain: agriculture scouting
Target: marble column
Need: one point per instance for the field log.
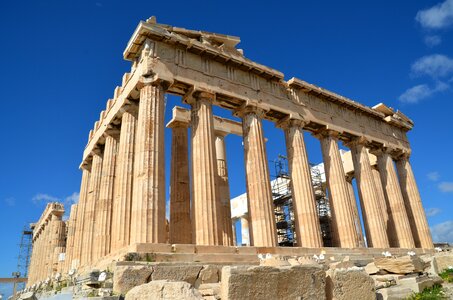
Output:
(416, 213)
(383, 205)
(80, 220)
(48, 255)
(57, 243)
(355, 211)
(245, 231)
(343, 224)
(263, 231)
(70, 238)
(374, 226)
(180, 223)
(308, 231)
(106, 189)
(402, 237)
(205, 202)
(148, 196)
(124, 172)
(90, 209)
(223, 189)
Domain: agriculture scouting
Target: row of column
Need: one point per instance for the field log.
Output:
(48, 245)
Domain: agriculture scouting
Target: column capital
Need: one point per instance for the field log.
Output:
(130, 107)
(402, 154)
(325, 132)
(360, 140)
(153, 81)
(197, 94)
(178, 124)
(112, 131)
(247, 109)
(220, 133)
(289, 121)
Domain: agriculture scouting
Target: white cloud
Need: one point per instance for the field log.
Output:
(443, 232)
(431, 212)
(434, 65)
(10, 201)
(44, 198)
(433, 176)
(437, 17)
(421, 91)
(432, 40)
(446, 187)
(72, 199)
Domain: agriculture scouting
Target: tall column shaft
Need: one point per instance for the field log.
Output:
(57, 243)
(343, 225)
(245, 231)
(224, 190)
(180, 223)
(416, 213)
(90, 210)
(263, 231)
(104, 208)
(374, 226)
(121, 215)
(383, 205)
(355, 211)
(402, 237)
(80, 220)
(70, 238)
(308, 231)
(148, 197)
(206, 207)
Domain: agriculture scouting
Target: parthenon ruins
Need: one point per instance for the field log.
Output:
(122, 205)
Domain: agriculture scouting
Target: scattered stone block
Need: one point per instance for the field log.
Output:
(349, 284)
(163, 290)
(209, 274)
(371, 268)
(393, 293)
(416, 283)
(264, 282)
(400, 265)
(274, 262)
(28, 296)
(442, 261)
(187, 273)
(127, 277)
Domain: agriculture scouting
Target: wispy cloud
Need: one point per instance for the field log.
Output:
(421, 91)
(432, 40)
(434, 66)
(67, 201)
(10, 201)
(437, 17)
(431, 212)
(433, 176)
(443, 232)
(72, 199)
(446, 187)
(40, 197)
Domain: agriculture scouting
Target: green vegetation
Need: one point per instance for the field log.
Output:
(433, 293)
(447, 275)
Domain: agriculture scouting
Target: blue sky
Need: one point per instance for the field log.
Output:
(61, 60)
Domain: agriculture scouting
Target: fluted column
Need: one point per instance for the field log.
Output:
(355, 211)
(374, 226)
(80, 220)
(90, 209)
(124, 172)
(416, 213)
(263, 232)
(383, 204)
(70, 238)
(205, 203)
(343, 225)
(148, 197)
(308, 231)
(180, 223)
(48, 250)
(57, 243)
(104, 207)
(224, 189)
(245, 231)
(402, 237)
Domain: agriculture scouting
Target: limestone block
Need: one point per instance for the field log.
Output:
(209, 274)
(274, 262)
(349, 284)
(164, 290)
(400, 265)
(416, 284)
(28, 296)
(443, 261)
(187, 273)
(371, 268)
(127, 277)
(393, 293)
(264, 282)
(341, 265)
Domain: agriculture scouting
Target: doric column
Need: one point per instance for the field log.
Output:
(80, 220)
(417, 218)
(124, 172)
(223, 189)
(343, 225)
(308, 231)
(180, 223)
(402, 237)
(70, 238)
(263, 232)
(48, 250)
(57, 243)
(245, 231)
(205, 203)
(383, 206)
(148, 197)
(90, 209)
(374, 226)
(104, 207)
(355, 211)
